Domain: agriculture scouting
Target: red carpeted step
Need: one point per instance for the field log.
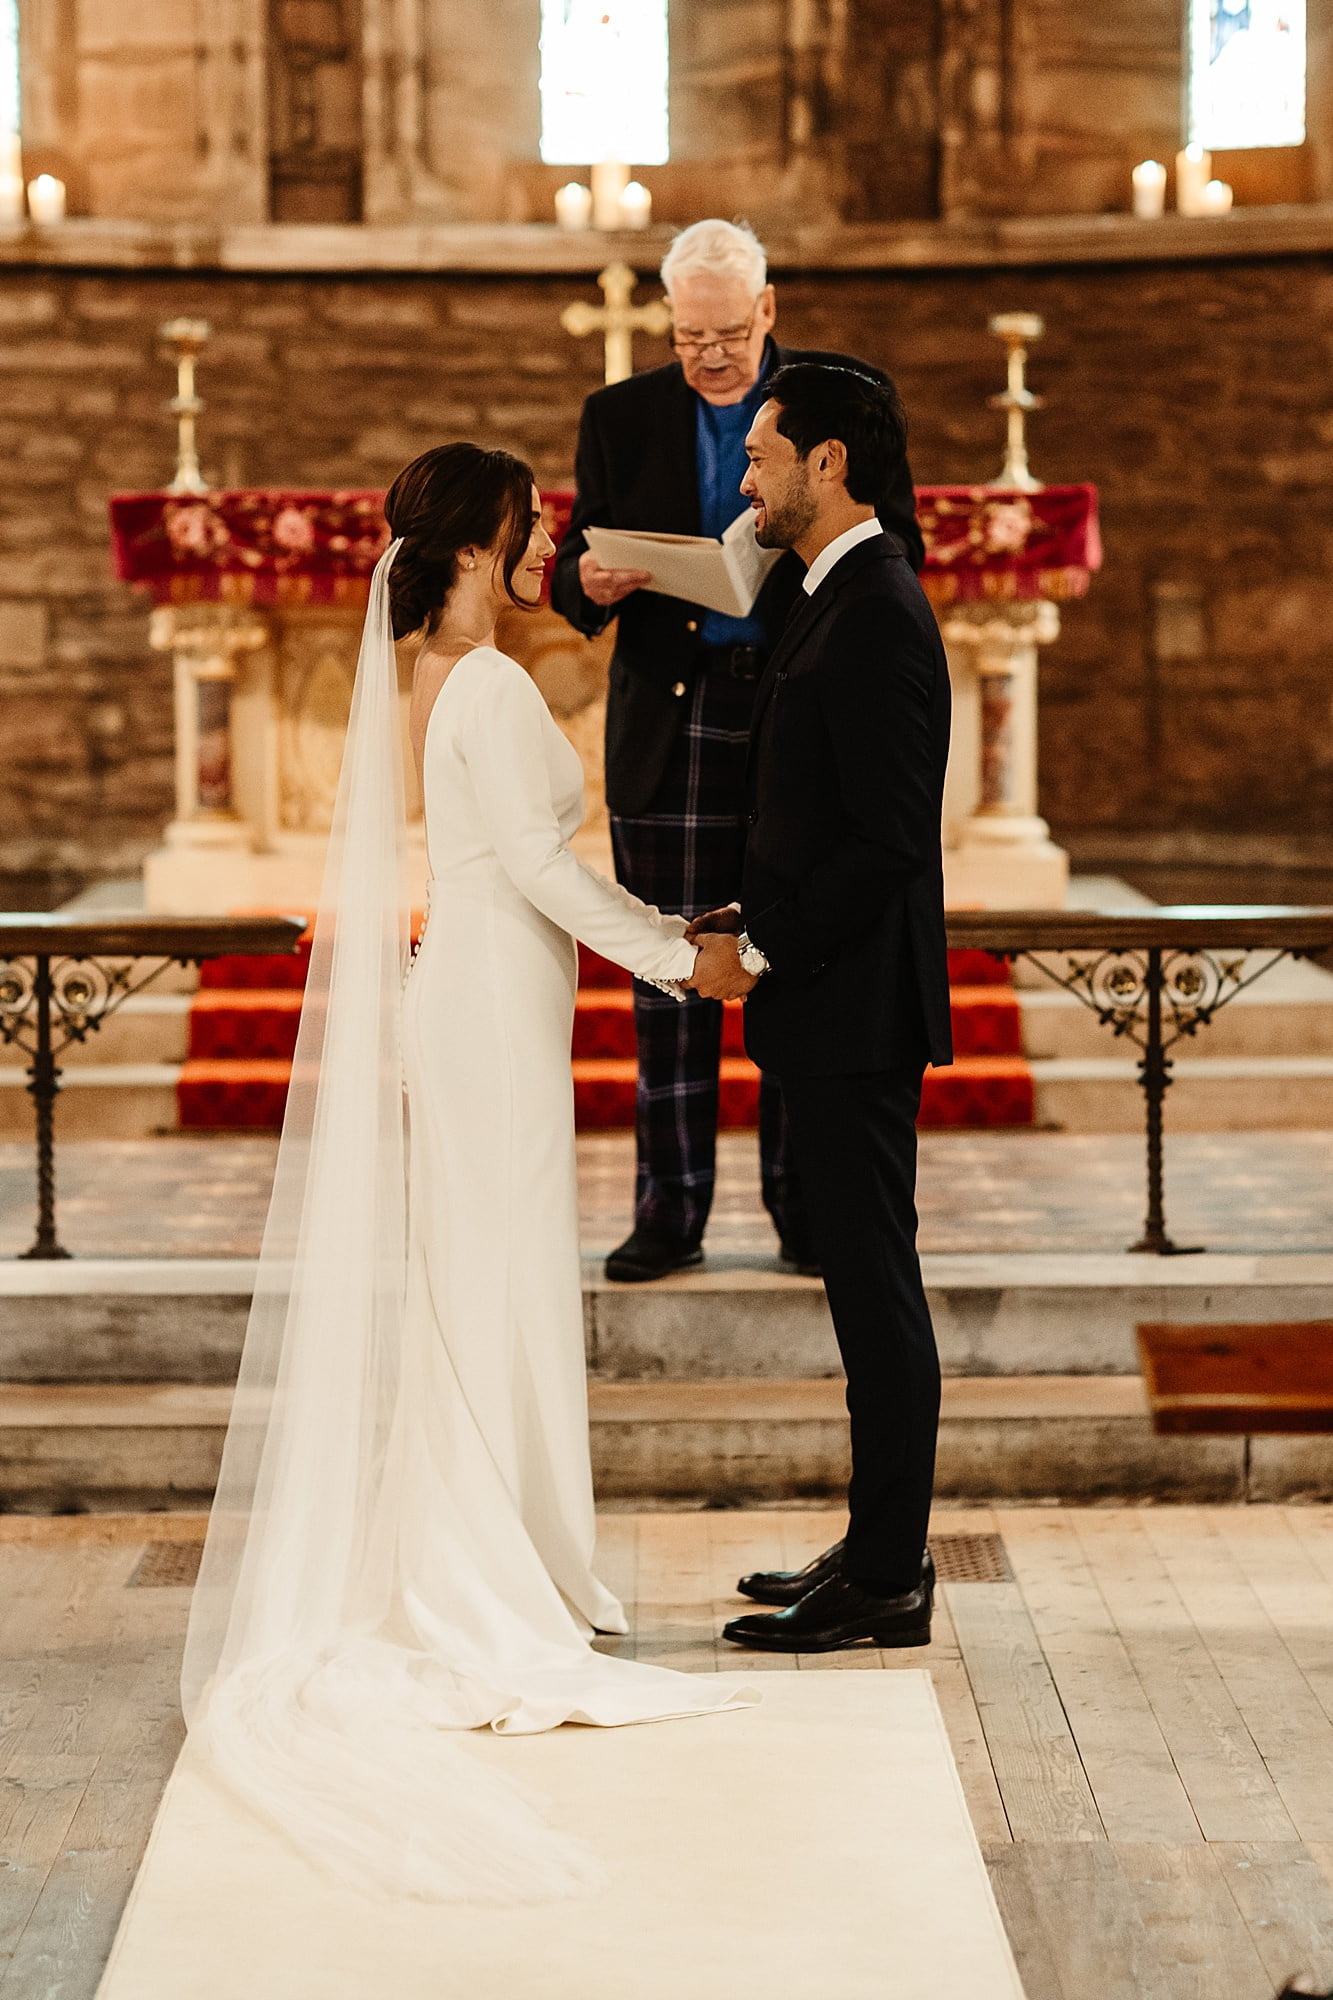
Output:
(241, 1024)
(986, 1022)
(598, 972)
(240, 1096)
(978, 968)
(976, 1091)
(244, 1017)
(284, 972)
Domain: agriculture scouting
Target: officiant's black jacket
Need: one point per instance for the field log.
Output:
(636, 467)
(843, 886)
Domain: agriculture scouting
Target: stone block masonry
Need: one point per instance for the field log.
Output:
(1195, 395)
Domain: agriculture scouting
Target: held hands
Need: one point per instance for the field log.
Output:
(608, 586)
(718, 973)
(726, 922)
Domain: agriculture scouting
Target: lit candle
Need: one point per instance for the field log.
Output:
(11, 198)
(1149, 179)
(1215, 198)
(610, 178)
(573, 205)
(46, 199)
(636, 206)
(1194, 170)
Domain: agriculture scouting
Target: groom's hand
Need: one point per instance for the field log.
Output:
(726, 921)
(608, 586)
(718, 973)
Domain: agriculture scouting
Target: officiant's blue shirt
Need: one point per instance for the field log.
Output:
(720, 439)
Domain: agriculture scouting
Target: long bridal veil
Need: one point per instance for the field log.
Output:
(293, 1680)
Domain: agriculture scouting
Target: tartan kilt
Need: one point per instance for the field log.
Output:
(685, 856)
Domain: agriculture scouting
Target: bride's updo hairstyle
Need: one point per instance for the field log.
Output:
(453, 497)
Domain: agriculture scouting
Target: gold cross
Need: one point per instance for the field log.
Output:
(618, 320)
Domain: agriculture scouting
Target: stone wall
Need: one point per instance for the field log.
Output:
(1190, 695)
(341, 110)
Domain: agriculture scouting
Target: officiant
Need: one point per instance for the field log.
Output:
(665, 451)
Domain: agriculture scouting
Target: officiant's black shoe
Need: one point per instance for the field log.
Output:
(789, 1586)
(643, 1255)
(802, 1258)
(836, 1613)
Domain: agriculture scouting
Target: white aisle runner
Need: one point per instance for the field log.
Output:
(812, 1847)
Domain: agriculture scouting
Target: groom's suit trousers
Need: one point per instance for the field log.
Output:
(854, 1141)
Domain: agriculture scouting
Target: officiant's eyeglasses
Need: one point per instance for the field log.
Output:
(729, 341)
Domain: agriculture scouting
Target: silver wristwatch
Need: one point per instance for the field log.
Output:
(752, 959)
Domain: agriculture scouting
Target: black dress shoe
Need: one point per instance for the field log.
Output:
(835, 1614)
(789, 1586)
(643, 1255)
(803, 1260)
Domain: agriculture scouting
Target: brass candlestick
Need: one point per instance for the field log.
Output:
(1016, 330)
(186, 338)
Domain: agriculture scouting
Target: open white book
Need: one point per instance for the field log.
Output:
(723, 576)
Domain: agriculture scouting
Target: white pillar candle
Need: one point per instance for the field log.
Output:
(573, 205)
(46, 199)
(11, 198)
(1215, 198)
(1149, 179)
(610, 178)
(636, 206)
(1194, 170)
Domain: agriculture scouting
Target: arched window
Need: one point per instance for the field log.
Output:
(1246, 73)
(604, 81)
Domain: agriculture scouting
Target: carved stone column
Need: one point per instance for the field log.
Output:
(1002, 855)
(814, 175)
(982, 147)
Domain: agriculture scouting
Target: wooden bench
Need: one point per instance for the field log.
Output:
(1246, 1379)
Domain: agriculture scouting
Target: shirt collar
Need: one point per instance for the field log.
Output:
(836, 550)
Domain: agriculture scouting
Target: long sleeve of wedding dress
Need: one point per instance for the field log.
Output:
(516, 769)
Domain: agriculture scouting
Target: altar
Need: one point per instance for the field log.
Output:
(259, 595)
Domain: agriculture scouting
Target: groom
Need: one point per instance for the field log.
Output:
(840, 950)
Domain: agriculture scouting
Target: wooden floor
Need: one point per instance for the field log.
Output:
(1142, 1717)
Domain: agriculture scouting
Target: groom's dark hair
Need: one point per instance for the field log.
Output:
(818, 401)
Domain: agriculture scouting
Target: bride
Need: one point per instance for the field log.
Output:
(401, 1547)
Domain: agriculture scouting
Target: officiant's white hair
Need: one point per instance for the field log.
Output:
(722, 249)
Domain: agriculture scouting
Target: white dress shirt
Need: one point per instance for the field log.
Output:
(836, 550)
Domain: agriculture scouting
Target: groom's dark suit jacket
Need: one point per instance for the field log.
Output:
(636, 467)
(843, 886)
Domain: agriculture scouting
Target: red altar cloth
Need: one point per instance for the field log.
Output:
(276, 546)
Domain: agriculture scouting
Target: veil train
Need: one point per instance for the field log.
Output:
(340, 1730)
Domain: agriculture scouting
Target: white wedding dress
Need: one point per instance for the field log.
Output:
(496, 1548)
(400, 1549)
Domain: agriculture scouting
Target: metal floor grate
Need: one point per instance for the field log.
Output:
(958, 1559)
(970, 1559)
(167, 1566)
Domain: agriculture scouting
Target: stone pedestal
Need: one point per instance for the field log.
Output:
(998, 851)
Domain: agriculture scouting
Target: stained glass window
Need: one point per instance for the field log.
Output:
(1247, 73)
(604, 81)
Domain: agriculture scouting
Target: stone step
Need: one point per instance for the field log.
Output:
(723, 1443)
(1236, 1094)
(1287, 1012)
(182, 1320)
